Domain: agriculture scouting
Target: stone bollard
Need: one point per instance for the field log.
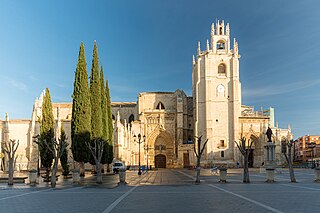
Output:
(76, 176)
(223, 175)
(270, 175)
(317, 174)
(33, 177)
(122, 175)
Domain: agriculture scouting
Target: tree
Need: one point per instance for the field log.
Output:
(10, 149)
(287, 145)
(96, 149)
(95, 97)
(64, 154)
(245, 149)
(81, 113)
(109, 115)
(198, 155)
(105, 132)
(46, 133)
(109, 126)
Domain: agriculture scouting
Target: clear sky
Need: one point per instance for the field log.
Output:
(148, 46)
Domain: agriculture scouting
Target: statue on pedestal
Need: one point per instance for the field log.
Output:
(269, 134)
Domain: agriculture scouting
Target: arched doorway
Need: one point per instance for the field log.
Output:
(160, 161)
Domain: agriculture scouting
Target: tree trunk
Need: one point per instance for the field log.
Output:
(82, 171)
(246, 178)
(47, 174)
(10, 180)
(54, 172)
(99, 175)
(198, 171)
(291, 172)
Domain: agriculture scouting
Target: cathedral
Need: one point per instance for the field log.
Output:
(170, 122)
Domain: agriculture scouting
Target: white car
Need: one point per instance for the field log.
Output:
(116, 166)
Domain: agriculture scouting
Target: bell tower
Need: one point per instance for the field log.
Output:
(216, 94)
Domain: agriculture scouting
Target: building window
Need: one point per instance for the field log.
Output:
(221, 45)
(113, 118)
(221, 143)
(222, 69)
(160, 106)
(222, 154)
(131, 118)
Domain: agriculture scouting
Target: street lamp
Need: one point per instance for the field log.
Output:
(139, 141)
(147, 147)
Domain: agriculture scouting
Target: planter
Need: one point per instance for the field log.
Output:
(33, 177)
(76, 176)
(223, 175)
(270, 175)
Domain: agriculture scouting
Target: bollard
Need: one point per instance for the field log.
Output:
(223, 175)
(122, 175)
(317, 174)
(33, 177)
(76, 176)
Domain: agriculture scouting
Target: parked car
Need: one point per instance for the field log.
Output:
(116, 166)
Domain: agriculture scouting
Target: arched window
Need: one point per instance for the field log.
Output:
(113, 118)
(221, 45)
(160, 106)
(131, 118)
(222, 69)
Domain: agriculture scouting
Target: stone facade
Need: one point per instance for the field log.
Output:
(170, 121)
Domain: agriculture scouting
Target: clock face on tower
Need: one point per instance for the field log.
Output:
(220, 88)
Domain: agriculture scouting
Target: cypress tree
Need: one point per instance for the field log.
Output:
(81, 113)
(109, 125)
(109, 115)
(64, 155)
(103, 107)
(46, 133)
(95, 99)
(105, 132)
(95, 96)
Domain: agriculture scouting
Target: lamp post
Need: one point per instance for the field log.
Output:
(139, 141)
(147, 147)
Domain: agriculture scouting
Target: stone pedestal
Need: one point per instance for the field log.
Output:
(33, 177)
(223, 175)
(122, 176)
(317, 174)
(76, 176)
(270, 175)
(270, 163)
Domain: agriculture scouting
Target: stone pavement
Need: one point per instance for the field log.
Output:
(169, 190)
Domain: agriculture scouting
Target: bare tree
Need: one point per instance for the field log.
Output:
(198, 155)
(10, 149)
(57, 150)
(285, 144)
(96, 149)
(245, 148)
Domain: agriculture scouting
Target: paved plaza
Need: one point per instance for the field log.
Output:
(169, 190)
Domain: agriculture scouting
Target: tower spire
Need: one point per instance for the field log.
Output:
(199, 50)
(212, 29)
(227, 29)
(208, 47)
(193, 60)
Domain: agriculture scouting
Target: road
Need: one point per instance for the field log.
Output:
(169, 190)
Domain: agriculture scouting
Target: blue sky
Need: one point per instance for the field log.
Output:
(148, 46)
